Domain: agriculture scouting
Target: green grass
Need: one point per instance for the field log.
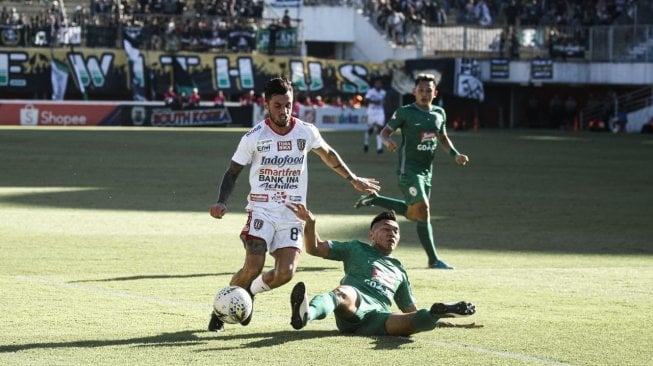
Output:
(109, 255)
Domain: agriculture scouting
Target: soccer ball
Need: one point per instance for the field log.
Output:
(232, 304)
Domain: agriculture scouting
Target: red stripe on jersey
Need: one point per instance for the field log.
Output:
(292, 125)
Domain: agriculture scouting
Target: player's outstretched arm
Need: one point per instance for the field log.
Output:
(219, 208)
(331, 158)
(312, 243)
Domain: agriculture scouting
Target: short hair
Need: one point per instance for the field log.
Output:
(425, 77)
(277, 86)
(383, 216)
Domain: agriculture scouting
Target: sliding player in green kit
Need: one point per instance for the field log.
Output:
(373, 280)
(423, 126)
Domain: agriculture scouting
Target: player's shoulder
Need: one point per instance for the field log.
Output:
(405, 109)
(255, 130)
(303, 126)
(349, 245)
(437, 109)
(398, 264)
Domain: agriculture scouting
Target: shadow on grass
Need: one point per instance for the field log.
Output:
(137, 198)
(154, 277)
(272, 339)
(182, 338)
(192, 338)
(194, 275)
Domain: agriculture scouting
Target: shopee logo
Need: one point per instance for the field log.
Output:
(49, 118)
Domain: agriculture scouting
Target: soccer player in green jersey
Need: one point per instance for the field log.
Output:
(373, 279)
(423, 127)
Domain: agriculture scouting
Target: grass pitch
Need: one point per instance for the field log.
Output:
(109, 256)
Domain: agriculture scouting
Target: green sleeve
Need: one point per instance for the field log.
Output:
(338, 251)
(397, 119)
(443, 114)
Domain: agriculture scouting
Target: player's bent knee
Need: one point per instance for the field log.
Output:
(283, 275)
(347, 299)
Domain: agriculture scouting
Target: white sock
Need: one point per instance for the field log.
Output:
(379, 144)
(366, 140)
(258, 286)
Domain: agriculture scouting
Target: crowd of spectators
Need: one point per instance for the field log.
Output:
(400, 19)
(162, 24)
(233, 24)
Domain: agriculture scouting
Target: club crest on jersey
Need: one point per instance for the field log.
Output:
(428, 136)
(284, 145)
(258, 224)
(301, 144)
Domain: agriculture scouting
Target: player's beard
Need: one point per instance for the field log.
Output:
(280, 121)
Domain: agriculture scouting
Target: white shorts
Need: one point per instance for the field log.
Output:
(376, 119)
(277, 231)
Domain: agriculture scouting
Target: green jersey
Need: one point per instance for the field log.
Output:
(379, 277)
(419, 137)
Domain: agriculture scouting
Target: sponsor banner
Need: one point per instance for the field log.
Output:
(541, 69)
(167, 117)
(499, 68)
(45, 113)
(54, 114)
(336, 118)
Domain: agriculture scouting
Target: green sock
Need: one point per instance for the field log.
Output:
(425, 234)
(398, 206)
(423, 321)
(322, 305)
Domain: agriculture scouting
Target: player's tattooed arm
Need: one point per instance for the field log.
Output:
(229, 181)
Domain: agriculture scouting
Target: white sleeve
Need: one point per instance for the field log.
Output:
(244, 151)
(316, 138)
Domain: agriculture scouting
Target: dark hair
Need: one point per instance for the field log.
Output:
(425, 77)
(385, 215)
(277, 86)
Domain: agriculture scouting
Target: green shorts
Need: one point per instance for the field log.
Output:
(369, 319)
(415, 187)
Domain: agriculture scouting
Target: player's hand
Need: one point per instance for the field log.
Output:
(301, 211)
(367, 185)
(218, 210)
(462, 159)
(390, 144)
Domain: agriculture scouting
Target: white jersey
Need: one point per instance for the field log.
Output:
(375, 100)
(279, 170)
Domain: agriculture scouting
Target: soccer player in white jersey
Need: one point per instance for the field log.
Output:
(277, 149)
(375, 98)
